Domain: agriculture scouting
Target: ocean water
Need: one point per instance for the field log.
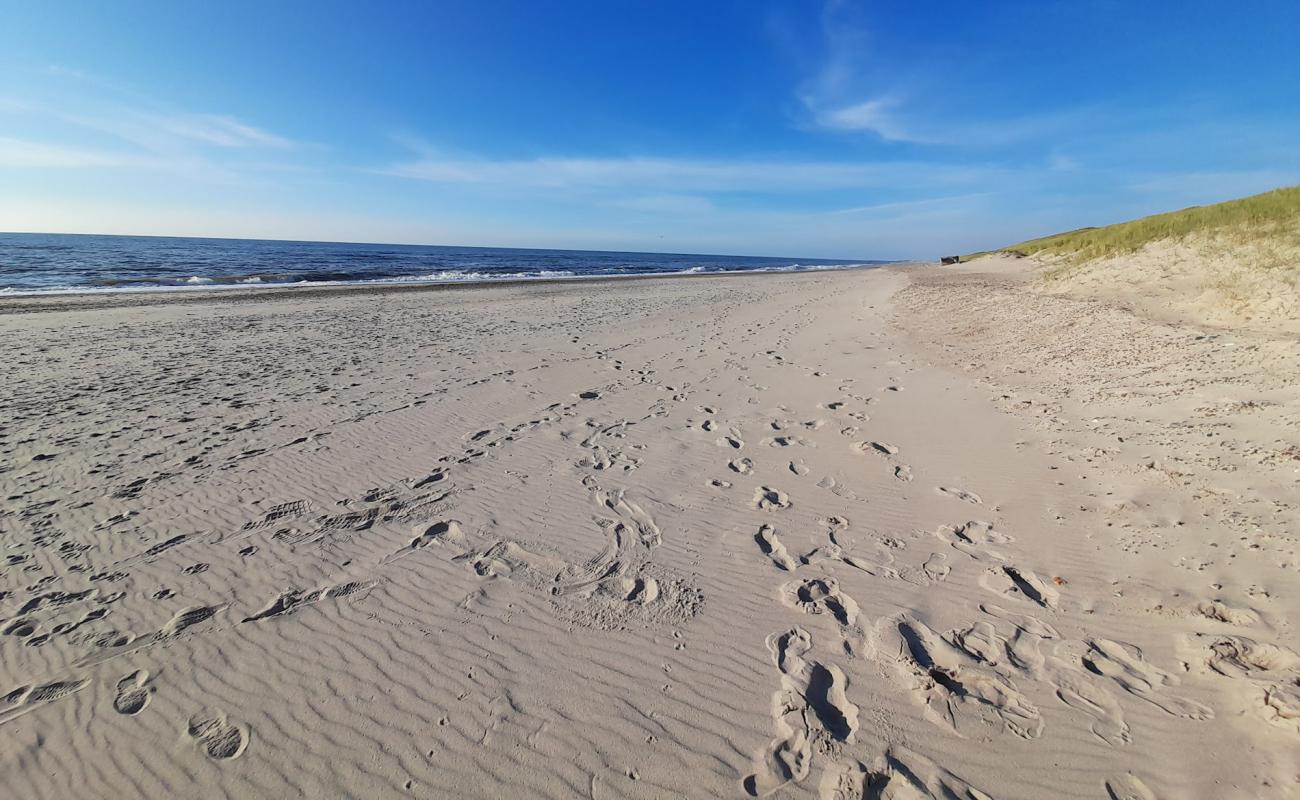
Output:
(38, 263)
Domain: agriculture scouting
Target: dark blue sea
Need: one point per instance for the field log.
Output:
(43, 263)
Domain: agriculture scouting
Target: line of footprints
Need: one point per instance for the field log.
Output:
(965, 679)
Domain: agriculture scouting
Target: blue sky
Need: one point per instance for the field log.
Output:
(831, 129)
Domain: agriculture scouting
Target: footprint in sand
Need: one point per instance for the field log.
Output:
(1128, 787)
(936, 567)
(773, 549)
(1266, 664)
(640, 590)
(768, 499)
(1024, 622)
(443, 532)
(1080, 692)
(833, 524)
(847, 781)
(636, 517)
(292, 600)
(1239, 657)
(133, 693)
(811, 713)
(1216, 610)
(742, 466)
(903, 774)
(789, 756)
(1023, 647)
(827, 552)
(1281, 705)
(973, 538)
(878, 566)
(1011, 581)
(829, 484)
(949, 682)
(799, 468)
(26, 698)
(218, 736)
(959, 494)
(277, 513)
(1124, 664)
(878, 448)
(903, 473)
(430, 479)
(980, 641)
(508, 559)
(821, 596)
(788, 441)
(186, 619)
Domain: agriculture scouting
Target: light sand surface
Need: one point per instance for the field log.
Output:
(1222, 282)
(891, 533)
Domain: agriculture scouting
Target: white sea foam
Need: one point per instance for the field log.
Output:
(199, 283)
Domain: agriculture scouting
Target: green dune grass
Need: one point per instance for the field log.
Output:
(1271, 218)
(1234, 265)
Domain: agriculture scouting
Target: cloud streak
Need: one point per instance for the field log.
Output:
(100, 133)
(898, 98)
(876, 116)
(96, 103)
(217, 130)
(889, 118)
(689, 175)
(25, 154)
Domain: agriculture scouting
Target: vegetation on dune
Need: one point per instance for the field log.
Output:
(1233, 264)
(1271, 218)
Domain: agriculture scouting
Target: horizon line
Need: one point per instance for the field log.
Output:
(458, 246)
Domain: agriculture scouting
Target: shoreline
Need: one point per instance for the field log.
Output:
(113, 298)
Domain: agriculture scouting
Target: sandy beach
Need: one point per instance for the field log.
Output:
(904, 532)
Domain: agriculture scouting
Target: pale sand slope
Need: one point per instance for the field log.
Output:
(1219, 281)
(786, 534)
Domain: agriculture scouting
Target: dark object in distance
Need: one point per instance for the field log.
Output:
(946, 260)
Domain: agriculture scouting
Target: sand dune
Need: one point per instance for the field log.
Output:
(886, 533)
(1201, 279)
(1234, 265)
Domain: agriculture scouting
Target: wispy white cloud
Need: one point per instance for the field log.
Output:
(878, 115)
(24, 154)
(894, 120)
(842, 91)
(844, 53)
(911, 205)
(854, 88)
(168, 132)
(689, 175)
(76, 120)
(216, 129)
